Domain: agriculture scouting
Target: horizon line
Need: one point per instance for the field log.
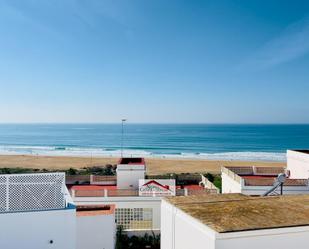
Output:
(156, 123)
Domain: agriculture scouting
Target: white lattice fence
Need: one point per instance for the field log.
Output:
(30, 192)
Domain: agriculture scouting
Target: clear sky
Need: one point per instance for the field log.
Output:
(154, 61)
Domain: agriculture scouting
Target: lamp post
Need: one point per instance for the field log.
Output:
(122, 124)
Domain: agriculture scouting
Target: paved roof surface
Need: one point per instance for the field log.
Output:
(236, 212)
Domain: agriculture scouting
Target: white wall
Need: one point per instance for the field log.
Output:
(298, 164)
(127, 202)
(180, 231)
(35, 230)
(128, 176)
(96, 232)
(229, 185)
(284, 238)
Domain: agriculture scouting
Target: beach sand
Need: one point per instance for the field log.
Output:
(154, 165)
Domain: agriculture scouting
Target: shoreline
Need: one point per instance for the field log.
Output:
(154, 165)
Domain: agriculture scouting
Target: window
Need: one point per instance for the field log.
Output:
(134, 218)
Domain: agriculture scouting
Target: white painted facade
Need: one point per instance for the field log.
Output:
(127, 202)
(181, 231)
(36, 212)
(96, 231)
(128, 175)
(298, 164)
(38, 229)
(230, 184)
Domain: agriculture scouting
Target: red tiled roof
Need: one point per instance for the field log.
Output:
(258, 177)
(156, 183)
(93, 210)
(193, 187)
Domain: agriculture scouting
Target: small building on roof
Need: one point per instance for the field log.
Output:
(258, 180)
(129, 171)
(231, 221)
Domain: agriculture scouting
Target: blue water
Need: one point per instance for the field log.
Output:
(229, 142)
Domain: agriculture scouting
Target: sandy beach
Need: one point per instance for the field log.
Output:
(154, 165)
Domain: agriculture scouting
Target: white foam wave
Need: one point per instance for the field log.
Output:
(102, 152)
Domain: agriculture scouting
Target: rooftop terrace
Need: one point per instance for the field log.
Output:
(261, 176)
(257, 171)
(235, 212)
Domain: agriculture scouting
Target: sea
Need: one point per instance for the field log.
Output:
(192, 141)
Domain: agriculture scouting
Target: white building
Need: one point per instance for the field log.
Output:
(95, 227)
(134, 211)
(235, 221)
(36, 212)
(298, 163)
(129, 171)
(258, 180)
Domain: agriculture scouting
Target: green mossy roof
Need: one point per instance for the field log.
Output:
(236, 212)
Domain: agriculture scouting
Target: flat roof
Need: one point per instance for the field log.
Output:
(235, 212)
(132, 160)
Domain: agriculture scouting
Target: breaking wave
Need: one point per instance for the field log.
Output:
(102, 152)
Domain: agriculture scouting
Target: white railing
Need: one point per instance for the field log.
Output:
(32, 192)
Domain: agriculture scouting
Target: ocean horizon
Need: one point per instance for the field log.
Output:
(248, 142)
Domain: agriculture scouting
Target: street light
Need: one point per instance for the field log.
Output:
(122, 124)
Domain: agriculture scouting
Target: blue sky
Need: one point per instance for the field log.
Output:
(154, 61)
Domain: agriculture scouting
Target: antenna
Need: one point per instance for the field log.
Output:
(122, 124)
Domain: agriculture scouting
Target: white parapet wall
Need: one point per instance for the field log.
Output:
(36, 212)
(231, 183)
(283, 238)
(298, 164)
